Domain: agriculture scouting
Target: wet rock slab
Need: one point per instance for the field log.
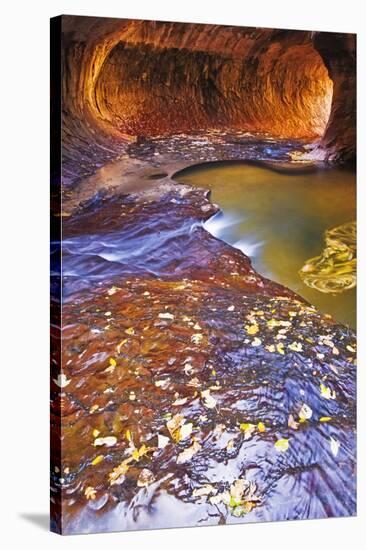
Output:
(194, 391)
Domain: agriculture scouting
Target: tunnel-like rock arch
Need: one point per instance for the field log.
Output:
(124, 78)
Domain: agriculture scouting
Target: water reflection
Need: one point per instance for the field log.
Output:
(279, 219)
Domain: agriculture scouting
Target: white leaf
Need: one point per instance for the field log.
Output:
(61, 381)
(334, 446)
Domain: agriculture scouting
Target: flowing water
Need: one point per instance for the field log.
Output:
(279, 219)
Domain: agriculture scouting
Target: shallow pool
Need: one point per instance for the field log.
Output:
(279, 219)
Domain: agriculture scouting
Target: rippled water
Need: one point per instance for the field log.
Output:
(279, 220)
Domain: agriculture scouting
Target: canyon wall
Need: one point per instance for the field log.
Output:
(128, 78)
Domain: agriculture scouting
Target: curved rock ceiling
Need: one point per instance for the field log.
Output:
(127, 78)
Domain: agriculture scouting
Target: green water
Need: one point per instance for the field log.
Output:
(279, 220)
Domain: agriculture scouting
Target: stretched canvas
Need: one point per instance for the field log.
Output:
(203, 274)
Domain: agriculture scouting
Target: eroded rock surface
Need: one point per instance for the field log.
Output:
(193, 390)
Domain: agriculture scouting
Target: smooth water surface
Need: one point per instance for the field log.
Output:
(278, 219)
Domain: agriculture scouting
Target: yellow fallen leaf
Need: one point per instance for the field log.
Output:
(351, 349)
(282, 445)
(118, 473)
(130, 331)
(325, 419)
(295, 346)
(261, 427)
(90, 493)
(327, 393)
(188, 453)
(128, 435)
(196, 338)
(248, 429)
(112, 362)
(252, 329)
(178, 429)
(139, 453)
(97, 459)
(96, 433)
(280, 348)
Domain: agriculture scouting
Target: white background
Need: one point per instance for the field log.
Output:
(24, 89)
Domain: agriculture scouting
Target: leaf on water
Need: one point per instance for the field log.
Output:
(118, 473)
(93, 408)
(187, 454)
(139, 453)
(128, 435)
(196, 338)
(204, 490)
(325, 419)
(248, 429)
(178, 429)
(208, 401)
(292, 423)
(252, 329)
(185, 431)
(197, 327)
(282, 445)
(162, 383)
(90, 493)
(334, 446)
(130, 331)
(231, 308)
(256, 342)
(280, 348)
(162, 441)
(97, 460)
(180, 401)
(108, 441)
(188, 369)
(166, 316)
(113, 290)
(326, 392)
(271, 348)
(145, 478)
(112, 362)
(305, 413)
(351, 349)
(62, 381)
(295, 346)
(95, 433)
(261, 427)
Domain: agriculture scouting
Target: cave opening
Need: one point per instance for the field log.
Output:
(149, 90)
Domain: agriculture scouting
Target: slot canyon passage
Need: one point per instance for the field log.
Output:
(203, 369)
